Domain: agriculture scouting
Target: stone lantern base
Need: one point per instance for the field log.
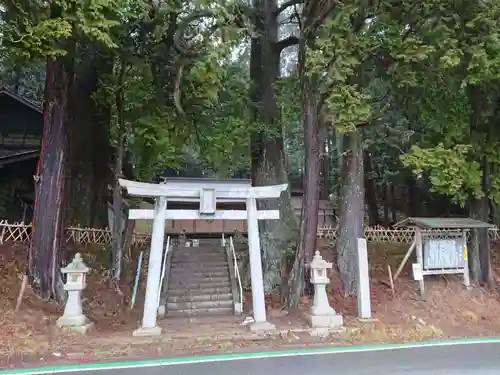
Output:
(80, 324)
(334, 321)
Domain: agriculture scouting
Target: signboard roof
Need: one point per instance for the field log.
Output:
(443, 223)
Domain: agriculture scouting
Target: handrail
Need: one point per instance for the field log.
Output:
(163, 271)
(237, 270)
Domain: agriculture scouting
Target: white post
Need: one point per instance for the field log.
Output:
(363, 287)
(258, 299)
(466, 259)
(149, 327)
(420, 259)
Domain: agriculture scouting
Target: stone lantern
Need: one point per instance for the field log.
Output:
(322, 315)
(73, 317)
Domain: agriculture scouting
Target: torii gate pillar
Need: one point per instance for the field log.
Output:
(149, 327)
(258, 297)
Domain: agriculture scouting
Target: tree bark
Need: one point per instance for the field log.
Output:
(479, 256)
(479, 248)
(89, 148)
(325, 164)
(314, 143)
(117, 191)
(50, 193)
(413, 196)
(394, 218)
(351, 221)
(267, 149)
(480, 209)
(386, 198)
(370, 190)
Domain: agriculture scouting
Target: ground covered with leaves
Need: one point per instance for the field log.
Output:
(30, 336)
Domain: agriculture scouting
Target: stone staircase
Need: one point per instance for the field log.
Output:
(199, 281)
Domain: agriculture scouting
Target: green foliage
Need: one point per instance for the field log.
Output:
(35, 28)
(337, 57)
(452, 172)
(406, 69)
(25, 77)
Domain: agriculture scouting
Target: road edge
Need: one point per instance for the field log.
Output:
(240, 356)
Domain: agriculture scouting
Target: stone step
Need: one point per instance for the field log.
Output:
(187, 285)
(198, 252)
(199, 248)
(193, 292)
(201, 298)
(201, 260)
(198, 312)
(188, 270)
(197, 279)
(199, 305)
(183, 273)
(198, 265)
(198, 256)
(202, 254)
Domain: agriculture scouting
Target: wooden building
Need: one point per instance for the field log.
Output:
(21, 123)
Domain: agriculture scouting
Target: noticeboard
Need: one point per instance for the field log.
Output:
(444, 253)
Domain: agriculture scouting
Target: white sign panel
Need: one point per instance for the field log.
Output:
(417, 272)
(443, 253)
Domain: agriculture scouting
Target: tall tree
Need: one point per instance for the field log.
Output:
(52, 31)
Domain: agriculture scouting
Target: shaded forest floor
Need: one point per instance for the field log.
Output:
(30, 336)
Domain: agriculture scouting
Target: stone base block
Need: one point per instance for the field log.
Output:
(149, 331)
(161, 311)
(72, 321)
(262, 327)
(84, 329)
(368, 320)
(78, 324)
(324, 332)
(238, 309)
(325, 321)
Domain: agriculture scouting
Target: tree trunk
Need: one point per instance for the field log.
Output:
(495, 213)
(128, 236)
(117, 191)
(267, 149)
(479, 257)
(314, 143)
(89, 151)
(325, 165)
(386, 203)
(370, 190)
(480, 208)
(394, 217)
(351, 221)
(50, 193)
(480, 247)
(413, 196)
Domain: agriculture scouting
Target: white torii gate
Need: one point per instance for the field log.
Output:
(207, 198)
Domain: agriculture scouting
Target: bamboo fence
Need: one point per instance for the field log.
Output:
(380, 234)
(21, 233)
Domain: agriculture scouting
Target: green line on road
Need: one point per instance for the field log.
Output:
(238, 356)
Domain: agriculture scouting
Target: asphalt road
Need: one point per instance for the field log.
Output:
(471, 359)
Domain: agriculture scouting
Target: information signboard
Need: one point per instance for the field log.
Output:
(444, 253)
